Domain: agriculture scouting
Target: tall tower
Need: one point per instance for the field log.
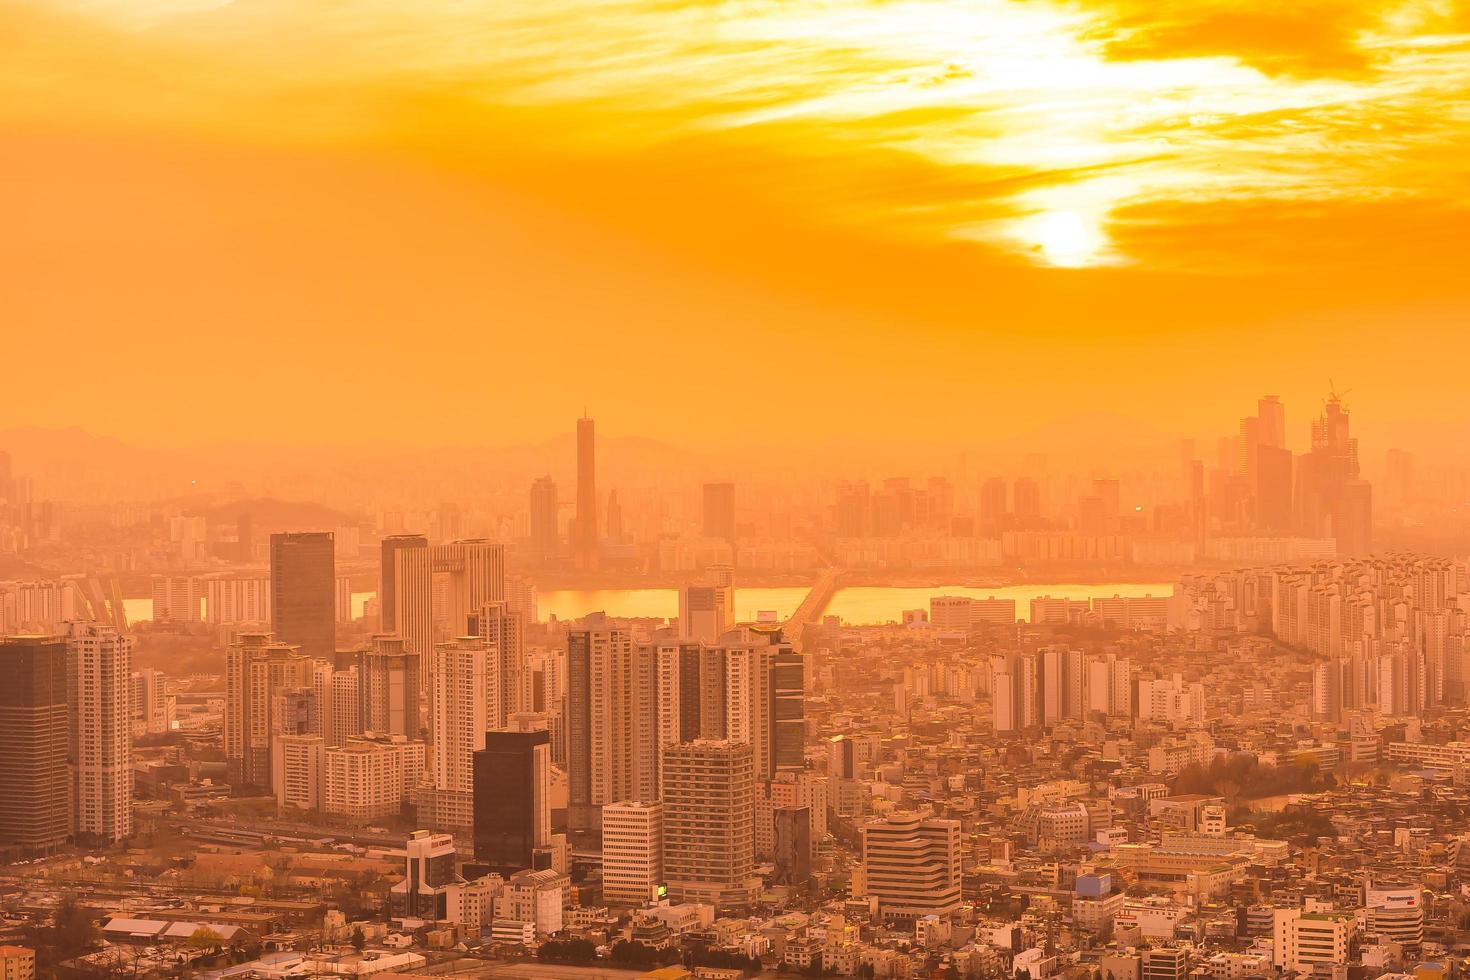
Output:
(399, 589)
(544, 505)
(303, 591)
(99, 689)
(33, 729)
(612, 749)
(719, 511)
(257, 673)
(585, 543)
(389, 680)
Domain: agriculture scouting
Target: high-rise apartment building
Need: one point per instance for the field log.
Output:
(632, 853)
(237, 599)
(911, 865)
(177, 598)
(584, 532)
(464, 697)
(151, 709)
(1014, 687)
(367, 779)
(512, 800)
(303, 591)
(610, 724)
(34, 727)
(298, 770)
(503, 631)
(709, 822)
(99, 689)
(388, 685)
(258, 671)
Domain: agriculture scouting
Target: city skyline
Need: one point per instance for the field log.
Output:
(734, 489)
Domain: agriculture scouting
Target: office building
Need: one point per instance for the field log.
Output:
(99, 689)
(405, 601)
(472, 571)
(545, 533)
(1305, 942)
(1395, 914)
(303, 591)
(632, 853)
(709, 823)
(428, 874)
(584, 533)
(911, 865)
(719, 511)
(1165, 963)
(34, 728)
(512, 800)
(793, 844)
(705, 612)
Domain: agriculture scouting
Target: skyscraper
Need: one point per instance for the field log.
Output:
(99, 689)
(585, 550)
(464, 697)
(34, 731)
(719, 511)
(709, 823)
(303, 598)
(392, 611)
(464, 575)
(545, 539)
(1331, 499)
(512, 787)
(503, 631)
(612, 751)
(388, 686)
(474, 569)
(257, 672)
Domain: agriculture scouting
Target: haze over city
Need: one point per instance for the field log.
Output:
(728, 489)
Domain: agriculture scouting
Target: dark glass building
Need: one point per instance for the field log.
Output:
(34, 731)
(303, 591)
(512, 801)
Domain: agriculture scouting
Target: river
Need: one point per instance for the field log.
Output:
(857, 605)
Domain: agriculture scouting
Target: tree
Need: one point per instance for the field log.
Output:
(73, 928)
(205, 939)
(358, 939)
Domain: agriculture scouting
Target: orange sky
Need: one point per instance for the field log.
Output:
(753, 220)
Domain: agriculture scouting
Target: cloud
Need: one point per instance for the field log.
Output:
(1030, 123)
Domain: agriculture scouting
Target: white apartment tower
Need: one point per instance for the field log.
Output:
(99, 690)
